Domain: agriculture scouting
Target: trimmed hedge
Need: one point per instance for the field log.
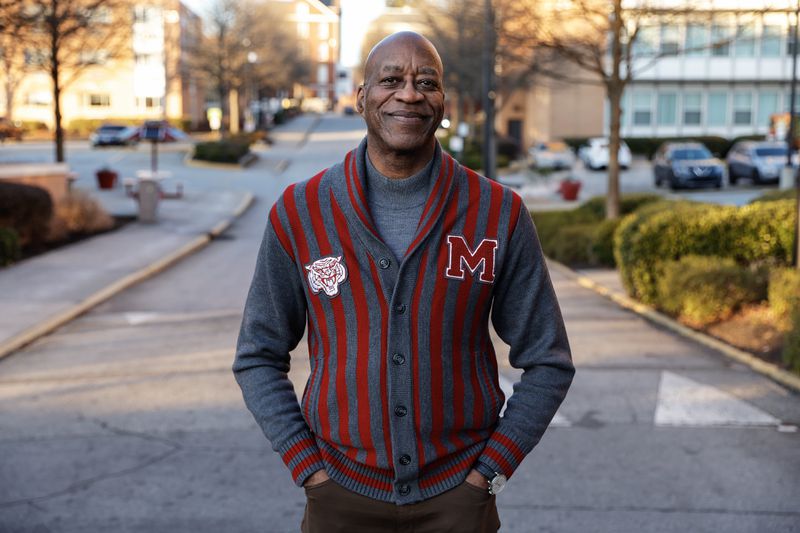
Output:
(701, 290)
(9, 246)
(586, 225)
(27, 210)
(224, 151)
(772, 196)
(791, 344)
(667, 231)
(784, 293)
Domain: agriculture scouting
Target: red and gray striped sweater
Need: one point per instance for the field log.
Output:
(403, 397)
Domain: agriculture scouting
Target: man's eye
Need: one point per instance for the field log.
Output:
(390, 80)
(428, 84)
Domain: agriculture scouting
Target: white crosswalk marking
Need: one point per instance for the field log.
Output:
(685, 402)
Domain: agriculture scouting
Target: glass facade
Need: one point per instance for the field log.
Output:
(717, 108)
(667, 112)
(692, 109)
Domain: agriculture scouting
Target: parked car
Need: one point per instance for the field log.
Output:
(686, 165)
(114, 135)
(759, 161)
(594, 154)
(9, 129)
(555, 155)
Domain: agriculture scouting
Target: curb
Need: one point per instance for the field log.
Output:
(43, 328)
(779, 375)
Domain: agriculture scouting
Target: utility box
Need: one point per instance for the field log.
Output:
(149, 195)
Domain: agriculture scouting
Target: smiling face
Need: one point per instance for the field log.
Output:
(402, 99)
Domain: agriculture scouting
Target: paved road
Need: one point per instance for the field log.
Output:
(128, 419)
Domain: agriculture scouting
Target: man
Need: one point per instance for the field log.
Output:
(395, 258)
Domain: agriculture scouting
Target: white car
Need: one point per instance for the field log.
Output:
(556, 155)
(594, 154)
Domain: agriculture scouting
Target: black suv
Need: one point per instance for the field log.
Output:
(686, 165)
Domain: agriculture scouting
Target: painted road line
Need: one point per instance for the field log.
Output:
(685, 402)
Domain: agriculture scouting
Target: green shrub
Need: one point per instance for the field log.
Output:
(784, 293)
(573, 244)
(603, 246)
(702, 290)
(229, 150)
(667, 231)
(9, 246)
(27, 210)
(628, 203)
(791, 344)
(772, 196)
(548, 223)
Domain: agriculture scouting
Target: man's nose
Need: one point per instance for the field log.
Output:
(408, 92)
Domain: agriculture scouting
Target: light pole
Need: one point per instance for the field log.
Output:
(489, 150)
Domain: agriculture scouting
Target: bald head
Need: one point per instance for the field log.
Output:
(402, 102)
(393, 44)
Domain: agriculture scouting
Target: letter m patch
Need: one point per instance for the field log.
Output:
(482, 258)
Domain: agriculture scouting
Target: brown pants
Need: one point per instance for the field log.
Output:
(330, 508)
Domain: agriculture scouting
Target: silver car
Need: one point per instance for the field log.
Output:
(759, 161)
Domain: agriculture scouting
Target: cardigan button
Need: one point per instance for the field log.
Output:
(400, 411)
(398, 359)
(403, 489)
(405, 459)
(400, 308)
(384, 263)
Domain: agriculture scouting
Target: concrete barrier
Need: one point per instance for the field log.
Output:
(55, 178)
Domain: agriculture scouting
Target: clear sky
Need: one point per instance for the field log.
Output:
(356, 16)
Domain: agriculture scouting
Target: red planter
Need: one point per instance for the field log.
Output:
(106, 179)
(569, 189)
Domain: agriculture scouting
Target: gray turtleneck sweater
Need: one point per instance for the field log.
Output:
(396, 205)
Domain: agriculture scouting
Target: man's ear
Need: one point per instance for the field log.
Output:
(360, 98)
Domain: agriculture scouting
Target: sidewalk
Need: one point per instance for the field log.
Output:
(42, 293)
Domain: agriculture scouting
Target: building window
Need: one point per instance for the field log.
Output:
(717, 108)
(98, 100)
(771, 41)
(146, 14)
(692, 109)
(743, 109)
(720, 40)
(667, 109)
(39, 98)
(788, 102)
(696, 40)
(745, 44)
(303, 30)
(323, 31)
(322, 74)
(148, 102)
(646, 41)
(767, 106)
(670, 40)
(323, 52)
(93, 57)
(642, 113)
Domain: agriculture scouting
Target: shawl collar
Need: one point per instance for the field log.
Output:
(348, 185)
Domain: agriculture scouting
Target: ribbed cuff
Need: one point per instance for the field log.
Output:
(503, 454)
(301, 455)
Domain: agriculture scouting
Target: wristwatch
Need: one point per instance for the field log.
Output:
(497, 484)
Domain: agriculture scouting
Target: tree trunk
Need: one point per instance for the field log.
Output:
(54, 75)
(233, 99)
(612, 197)
(10, 89)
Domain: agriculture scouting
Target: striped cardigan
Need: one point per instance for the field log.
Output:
(403, 397)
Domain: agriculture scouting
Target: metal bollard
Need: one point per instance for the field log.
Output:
(148, 195)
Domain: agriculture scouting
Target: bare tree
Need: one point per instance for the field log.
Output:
(68, 36)
(246, 42)
(12, 61)
(609, 41)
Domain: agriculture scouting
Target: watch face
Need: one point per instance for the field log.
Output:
(497, 484)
